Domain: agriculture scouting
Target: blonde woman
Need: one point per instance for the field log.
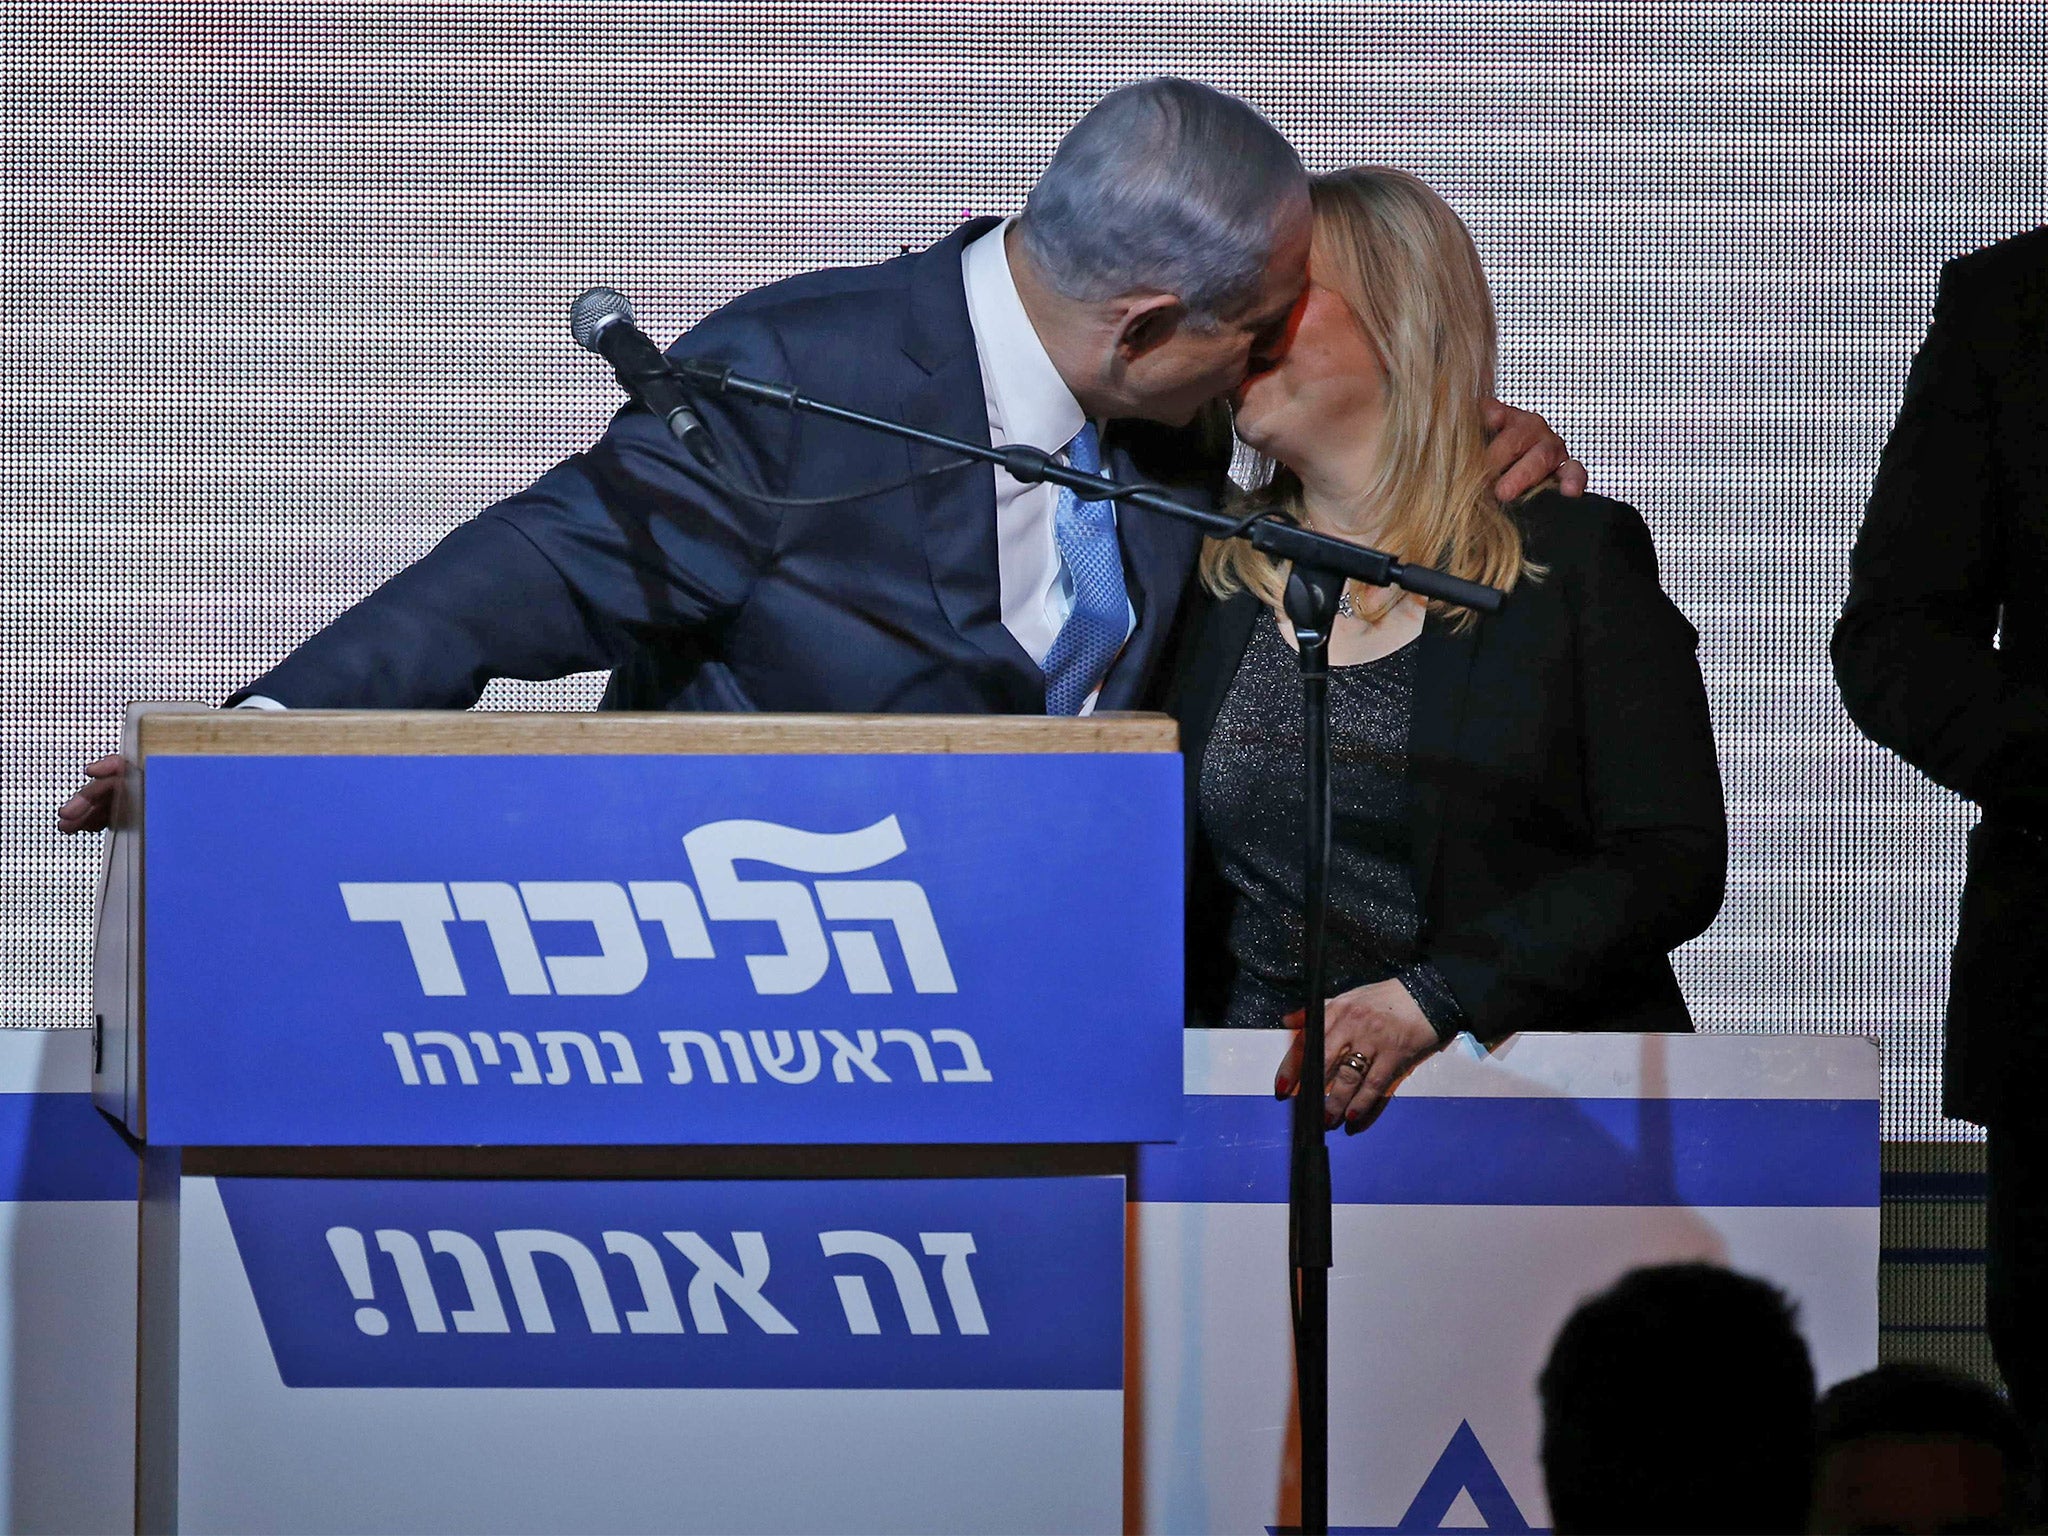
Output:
(1528, 814)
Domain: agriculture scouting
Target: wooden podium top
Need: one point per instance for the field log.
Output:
(649, 878)
(187, 731)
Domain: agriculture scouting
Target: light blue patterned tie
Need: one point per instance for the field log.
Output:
(1085, 534)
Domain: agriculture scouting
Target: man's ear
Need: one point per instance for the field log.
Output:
(1148, 321)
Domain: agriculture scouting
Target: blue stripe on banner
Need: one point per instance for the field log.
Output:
(56, 1146)
(1458, 1151)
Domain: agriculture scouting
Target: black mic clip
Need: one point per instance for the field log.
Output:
(1024, 464)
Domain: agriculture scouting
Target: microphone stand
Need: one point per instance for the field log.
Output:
(1312, 597)
(1321, 566)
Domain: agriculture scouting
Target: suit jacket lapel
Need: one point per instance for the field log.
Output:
(959, 508)
(1443, 675)
(1159, 557)
(1218, 633)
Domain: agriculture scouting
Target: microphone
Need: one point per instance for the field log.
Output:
(601, 320)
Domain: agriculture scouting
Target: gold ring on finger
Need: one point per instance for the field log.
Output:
(1356, 1061)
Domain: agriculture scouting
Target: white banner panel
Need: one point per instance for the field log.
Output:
(67, 1293)
(1492, 1196)
(580, 1427)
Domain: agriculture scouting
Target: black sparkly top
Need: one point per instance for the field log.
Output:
(1252, 809)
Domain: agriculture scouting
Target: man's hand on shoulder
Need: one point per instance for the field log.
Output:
(1524, 452)
(92, 808)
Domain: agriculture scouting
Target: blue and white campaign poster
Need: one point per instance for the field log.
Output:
(659, 950)
(1493, 1195)
(650, 1355)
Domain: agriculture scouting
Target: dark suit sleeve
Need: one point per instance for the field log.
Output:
(1657, 862)
(618, 546)
(1914, 651)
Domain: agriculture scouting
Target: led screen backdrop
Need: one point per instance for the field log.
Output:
(287, 288)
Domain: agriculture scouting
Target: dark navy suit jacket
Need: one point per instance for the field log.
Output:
(626, 557)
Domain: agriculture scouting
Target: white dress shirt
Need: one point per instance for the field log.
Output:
(1028, 402)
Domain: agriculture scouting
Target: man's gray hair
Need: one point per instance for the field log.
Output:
(1168, 186)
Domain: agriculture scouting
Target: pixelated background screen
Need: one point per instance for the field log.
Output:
(288, 283)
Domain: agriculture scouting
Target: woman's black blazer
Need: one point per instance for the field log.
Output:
(1565, 814)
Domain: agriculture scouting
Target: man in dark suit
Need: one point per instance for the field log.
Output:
(1942, 655)
(1158, 259)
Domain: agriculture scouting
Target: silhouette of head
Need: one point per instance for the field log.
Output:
(1913, 1447)
(1679, 1399)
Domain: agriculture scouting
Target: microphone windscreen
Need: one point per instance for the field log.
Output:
(595, 309)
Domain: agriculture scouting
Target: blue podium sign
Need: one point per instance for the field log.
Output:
(891, 1285)
(613, 950)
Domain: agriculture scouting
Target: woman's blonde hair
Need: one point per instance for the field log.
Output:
(1405, 263)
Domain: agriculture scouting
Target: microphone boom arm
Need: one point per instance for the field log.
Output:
(1268, 532)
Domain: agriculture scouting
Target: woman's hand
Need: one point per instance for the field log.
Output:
(1380, 1023)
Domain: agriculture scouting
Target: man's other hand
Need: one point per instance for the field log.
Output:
(92, 808)
(1524, 452)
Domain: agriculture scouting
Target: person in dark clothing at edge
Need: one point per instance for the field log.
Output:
(1941, 653)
